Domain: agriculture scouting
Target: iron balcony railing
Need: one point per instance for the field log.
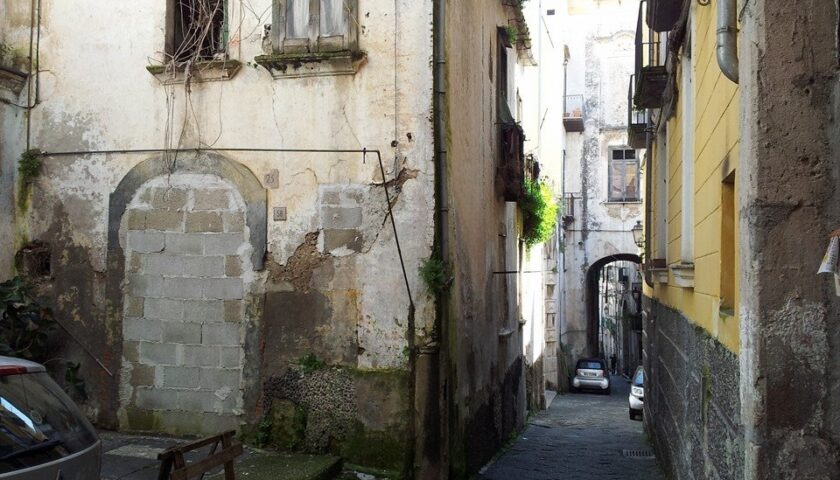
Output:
(651, 74)
(638, 120)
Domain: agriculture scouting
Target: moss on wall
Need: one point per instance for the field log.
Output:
(361, 415)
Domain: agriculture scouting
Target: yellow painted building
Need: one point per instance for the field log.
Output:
(697, 148)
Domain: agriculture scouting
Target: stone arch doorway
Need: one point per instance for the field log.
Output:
(593, 274)
(186, 239)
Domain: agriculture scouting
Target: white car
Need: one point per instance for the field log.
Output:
(591, 374)
(43, 435)
(637, 394)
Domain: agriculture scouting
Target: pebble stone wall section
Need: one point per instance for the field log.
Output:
(186, 250)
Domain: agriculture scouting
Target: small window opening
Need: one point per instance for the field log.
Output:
(197, 30)
(34, 261)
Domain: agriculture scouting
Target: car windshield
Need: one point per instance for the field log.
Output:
(590, 365)
(639, 378)
(38, 422)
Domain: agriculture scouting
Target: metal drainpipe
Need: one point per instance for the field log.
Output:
(442, 230)
(727, 38)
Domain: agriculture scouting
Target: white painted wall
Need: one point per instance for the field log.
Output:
(96, 94)
(601, 43)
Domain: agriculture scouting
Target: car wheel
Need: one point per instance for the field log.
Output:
(607, 391)
(632, 414)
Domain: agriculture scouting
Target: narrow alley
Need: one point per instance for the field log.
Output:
(581, 436)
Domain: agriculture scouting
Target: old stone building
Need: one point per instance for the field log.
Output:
(233, 203)
(602, 175)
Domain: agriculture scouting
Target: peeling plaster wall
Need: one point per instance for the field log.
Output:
(789, 201)
(484, 335)
(601, 45)
(97, 95)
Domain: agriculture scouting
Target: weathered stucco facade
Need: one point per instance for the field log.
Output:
(597, 229)
(200, 279)
(218, 241)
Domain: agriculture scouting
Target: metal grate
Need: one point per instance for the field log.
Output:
(641, 454)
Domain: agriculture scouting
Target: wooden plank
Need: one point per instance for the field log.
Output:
(207, 464)
(194, 445)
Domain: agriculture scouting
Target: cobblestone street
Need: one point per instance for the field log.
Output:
(581, 436)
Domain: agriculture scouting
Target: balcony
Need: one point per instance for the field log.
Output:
(573, 113)
(662, 15)
(651, 74)
(638, 121)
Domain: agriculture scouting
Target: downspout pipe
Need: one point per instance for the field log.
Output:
(442, 317)
(727, 38)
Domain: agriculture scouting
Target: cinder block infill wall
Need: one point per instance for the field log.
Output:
(692, 402)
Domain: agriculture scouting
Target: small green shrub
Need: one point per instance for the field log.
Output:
(539, 213)
(25, 327)
(512, 34)
(309, 363)
(435, 275)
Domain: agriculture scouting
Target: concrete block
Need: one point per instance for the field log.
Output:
(143, 241)
(141, 329)
(158, 353)
(231, 357)
(330, 195)
(224, 334)
(136, 219)
(204, 266)
(169, 198)
(131, 351)
(164, 309)
(185, 243)
(216, 378)
(160, 264)
(142, 375)
(135, 262)
(196, 401)
(156, 399)
(223, 288)
(233, 311)
(352, 240)
(341, 217)
(165, 220)
(186, 288)
(204, 311)
(181, 332)
(234, 221)
(145, 285)
(223, 243)
(233, 266)
(181, 377)
(211, 200)
(204, 222)
(200, 356)
(133, 306)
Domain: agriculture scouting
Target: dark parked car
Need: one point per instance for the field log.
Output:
(592, 374)
(43, 435)
(637, 394)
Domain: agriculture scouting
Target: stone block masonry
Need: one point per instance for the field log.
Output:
(186, 251)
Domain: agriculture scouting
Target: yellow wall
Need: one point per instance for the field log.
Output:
(716, 142)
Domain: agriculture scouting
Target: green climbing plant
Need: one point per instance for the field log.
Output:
(539, 212)
(435, 275)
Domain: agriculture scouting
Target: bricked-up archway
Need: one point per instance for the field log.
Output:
(186, 249)
(252, 196)
(593, 273)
